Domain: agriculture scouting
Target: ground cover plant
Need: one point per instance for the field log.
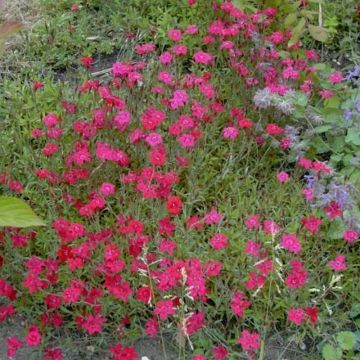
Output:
(203, 190)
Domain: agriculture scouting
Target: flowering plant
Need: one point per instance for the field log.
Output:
(171, 203)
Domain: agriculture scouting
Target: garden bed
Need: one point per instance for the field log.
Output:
(194, 170)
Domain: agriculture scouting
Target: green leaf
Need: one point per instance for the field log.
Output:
(318, 33)
(319, 66)
(353, 137)
(346, 340)
(16, 213)
(333, 102)
(297, 32)
(355, 310)
(336, 229)
(322, 129)
(329, 352)
(289, 20)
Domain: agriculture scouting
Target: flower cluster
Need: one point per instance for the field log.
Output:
(128, 235)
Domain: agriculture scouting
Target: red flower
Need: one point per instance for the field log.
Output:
(219, 241)
(37, 85)
(220, 353)
(194, 323)
(93, 324)
(143, 294)
(33, 337)
(174, 205)
(53, 354)
(121, 352)
(312, 223)
(164, 308)
(249, 340)
(273, 129)
(312, 312)
(239, 303)
(14, 344)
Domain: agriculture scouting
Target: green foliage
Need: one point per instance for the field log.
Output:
(342, 348)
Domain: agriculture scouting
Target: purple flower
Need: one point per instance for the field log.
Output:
(357, 105)
(347, 115)
(310, 180)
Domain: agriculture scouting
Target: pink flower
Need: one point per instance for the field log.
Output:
(107, 189)
(51, 120)
(164, 308)
(179, 99)
(283, 176)
(167, 246)
(230, 133)
(326, 94)
(308, 193)
(187, 141)
(14, 344)
(338, 264)
(252, 248)
(350, 236)
(179, 50)
(296, 315)
(154, 139)
(175, 35)
(151, 327)
(49, 149)
(270, 227)
(33, 337)
(144, 49)
(93, 324)
(194, 323)
(273, 129)
(312, 223)
(321, 167)
(121, 69)
(202, 57)
(219, 241)
(165, 58)
(220, 353)
(165, 77)
(291, 243)
(305, 163)
(290, 73)
(121, 352)
(252, 222)
(249, 341)
(53, 354)
(336, 77)
(122, 120)
(255, 281)
(239, 303)
(36, 85)
(298, 275)
(36, 133)
(276, 37)
(212, 217)
(191, 29)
